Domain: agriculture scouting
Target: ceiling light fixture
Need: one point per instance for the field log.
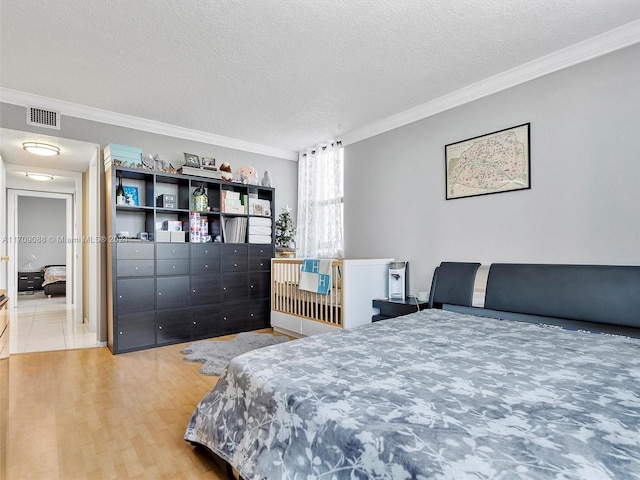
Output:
(41, 177)
(41, 148)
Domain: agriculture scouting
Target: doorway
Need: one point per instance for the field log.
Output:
(77, 172)
(47, 316)
(42, 224)
(55, 244)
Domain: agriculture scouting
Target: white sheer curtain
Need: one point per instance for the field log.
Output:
(319, 226)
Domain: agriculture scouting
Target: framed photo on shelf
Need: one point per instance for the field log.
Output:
(131, 196)
(191, 160)
(492, 163)
(259, 207)
(208, 163)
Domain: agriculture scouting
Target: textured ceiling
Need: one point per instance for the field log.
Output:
(281, 73)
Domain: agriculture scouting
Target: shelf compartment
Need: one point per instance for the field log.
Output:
(212, 190)
(143, 182)
(172, 185)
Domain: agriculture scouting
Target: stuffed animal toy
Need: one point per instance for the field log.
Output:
(266, 180)
(226, 172)
(247, 175)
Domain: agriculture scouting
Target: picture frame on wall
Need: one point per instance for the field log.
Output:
(208, 163)
(495, 162)
(191, 160)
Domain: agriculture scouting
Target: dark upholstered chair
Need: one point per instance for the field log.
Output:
(453, 284)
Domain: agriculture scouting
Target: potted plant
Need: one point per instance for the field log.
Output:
(285, 232)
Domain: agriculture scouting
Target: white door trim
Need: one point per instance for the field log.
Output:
(74, 294)
(4, 265)
(93, 280)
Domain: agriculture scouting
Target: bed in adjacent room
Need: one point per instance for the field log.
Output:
(55, 280)
(444, 394)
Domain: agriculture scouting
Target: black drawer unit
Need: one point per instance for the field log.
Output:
(135, 295)
(241, 317)
(164, 292)
(172, 251)
(135, 250)
(205, 251)
(135, 331)
(205, 289)
(204, 266)
(30, 281)
(172, 267)
(259, 285)
(136, 268)
(235, 287)
(173, 326)
(205, 321)
(260, 257)
(234, 257)
(205, 259)
(172, 292)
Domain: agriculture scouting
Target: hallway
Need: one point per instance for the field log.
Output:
(42, 324)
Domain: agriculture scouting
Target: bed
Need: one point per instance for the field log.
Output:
(55, 280)
(299, 312)
(543, 382)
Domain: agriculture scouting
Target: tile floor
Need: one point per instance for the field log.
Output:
(40, 323)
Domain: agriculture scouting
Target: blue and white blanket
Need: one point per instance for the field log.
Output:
(434, 394)
(315, 275)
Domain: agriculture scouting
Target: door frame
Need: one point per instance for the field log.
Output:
(4, 251)
(87, 190)
(72, 252)
(91, 275)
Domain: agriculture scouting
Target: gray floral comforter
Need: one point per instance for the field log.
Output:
(434, 394)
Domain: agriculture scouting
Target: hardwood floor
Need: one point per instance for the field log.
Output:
(78, 414)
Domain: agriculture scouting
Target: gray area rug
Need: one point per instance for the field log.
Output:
(215, 354)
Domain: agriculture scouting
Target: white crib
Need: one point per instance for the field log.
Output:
(355, 283)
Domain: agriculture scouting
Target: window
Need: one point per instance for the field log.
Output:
(320, 231)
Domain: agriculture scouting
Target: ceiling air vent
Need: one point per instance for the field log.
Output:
(40, 117)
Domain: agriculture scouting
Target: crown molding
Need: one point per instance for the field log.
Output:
(597, 46)
(24, 99)
(607, 42)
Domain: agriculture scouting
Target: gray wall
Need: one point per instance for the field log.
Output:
(41, 217)
(283, 172)
(584, 204)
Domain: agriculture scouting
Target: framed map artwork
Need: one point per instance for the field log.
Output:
(492, 163)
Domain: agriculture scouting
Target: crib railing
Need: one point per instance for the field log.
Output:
(287, 298)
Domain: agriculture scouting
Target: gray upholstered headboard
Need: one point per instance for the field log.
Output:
(592, 293)
(603, 298)
(453, 284)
